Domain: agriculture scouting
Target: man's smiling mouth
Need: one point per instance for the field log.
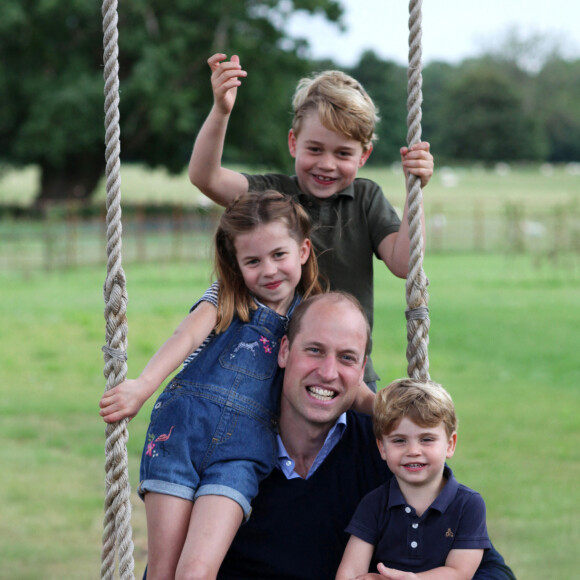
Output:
(321, 394)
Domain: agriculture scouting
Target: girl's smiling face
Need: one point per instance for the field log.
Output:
(271, 261)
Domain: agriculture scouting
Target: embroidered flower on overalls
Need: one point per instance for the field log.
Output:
(150, 447)
(267, 345)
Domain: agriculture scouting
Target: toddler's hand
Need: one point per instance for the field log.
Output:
(393, 574)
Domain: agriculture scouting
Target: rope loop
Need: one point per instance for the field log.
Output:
(115, 353)
(419, 313)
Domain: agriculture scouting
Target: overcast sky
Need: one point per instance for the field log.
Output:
(452, 29)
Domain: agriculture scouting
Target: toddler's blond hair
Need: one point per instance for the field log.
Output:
(424, 402)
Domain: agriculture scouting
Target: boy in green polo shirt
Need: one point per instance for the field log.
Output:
(330, 139)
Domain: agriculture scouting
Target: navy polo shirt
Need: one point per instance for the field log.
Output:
(405, 541)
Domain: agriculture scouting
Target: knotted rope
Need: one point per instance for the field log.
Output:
(117, 535)
(417, 312)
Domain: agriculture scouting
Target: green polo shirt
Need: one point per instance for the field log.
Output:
(347, 229)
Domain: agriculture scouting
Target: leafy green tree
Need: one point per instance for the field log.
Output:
(484, 117)
(437, 77)
(51, 83)
(558, 107)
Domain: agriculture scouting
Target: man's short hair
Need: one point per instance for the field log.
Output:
(336, 296)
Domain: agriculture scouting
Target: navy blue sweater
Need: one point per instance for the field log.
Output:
(296, 531)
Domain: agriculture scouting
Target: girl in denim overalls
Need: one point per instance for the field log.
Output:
(211, 439)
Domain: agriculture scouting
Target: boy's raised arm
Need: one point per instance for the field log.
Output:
(205, 166)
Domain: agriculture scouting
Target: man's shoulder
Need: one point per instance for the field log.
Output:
(359, 423)
(358, 439)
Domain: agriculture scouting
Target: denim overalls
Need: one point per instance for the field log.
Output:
(212, 430)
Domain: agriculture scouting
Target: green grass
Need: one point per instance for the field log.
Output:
(504, 340)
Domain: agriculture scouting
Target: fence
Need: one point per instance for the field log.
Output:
(68, 236)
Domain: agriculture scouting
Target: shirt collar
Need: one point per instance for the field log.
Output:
(442, 501)
(286, 463)
(348, 191)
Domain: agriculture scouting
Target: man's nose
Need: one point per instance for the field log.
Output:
(328, 369)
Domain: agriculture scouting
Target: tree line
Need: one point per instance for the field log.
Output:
(491, 108)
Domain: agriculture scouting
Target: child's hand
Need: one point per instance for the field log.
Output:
(225, 80)
(122, 401)
(393, 574)
(418, 161)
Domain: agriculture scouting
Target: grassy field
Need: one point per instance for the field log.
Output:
(504, 341)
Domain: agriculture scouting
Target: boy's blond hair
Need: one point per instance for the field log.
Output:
(424, 402)
(341, 103)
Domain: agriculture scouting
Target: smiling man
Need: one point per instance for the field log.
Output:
(327, 455)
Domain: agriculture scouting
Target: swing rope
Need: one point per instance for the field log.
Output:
(417, 312)
(117, 535)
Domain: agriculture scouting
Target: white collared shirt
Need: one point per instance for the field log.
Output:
(286, 463)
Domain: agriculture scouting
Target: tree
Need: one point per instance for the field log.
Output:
(437, 78)
(51, 84)
(386, 83)
(558, 107)
(484, 117)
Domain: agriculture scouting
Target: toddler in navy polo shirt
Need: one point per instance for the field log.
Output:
(422, 519)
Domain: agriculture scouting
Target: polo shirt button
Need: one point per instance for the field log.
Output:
(408, 510)
(413, 544)
(288, 463)
(415, 526)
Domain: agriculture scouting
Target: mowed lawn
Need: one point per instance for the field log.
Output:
(504, 340)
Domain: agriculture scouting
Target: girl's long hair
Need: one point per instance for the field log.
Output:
(242, 216)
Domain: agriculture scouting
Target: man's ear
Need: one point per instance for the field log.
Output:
(283, 352)
(292, 143)
(365, 156)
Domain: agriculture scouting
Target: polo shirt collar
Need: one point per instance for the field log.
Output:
(442, 501)
(305, 197)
